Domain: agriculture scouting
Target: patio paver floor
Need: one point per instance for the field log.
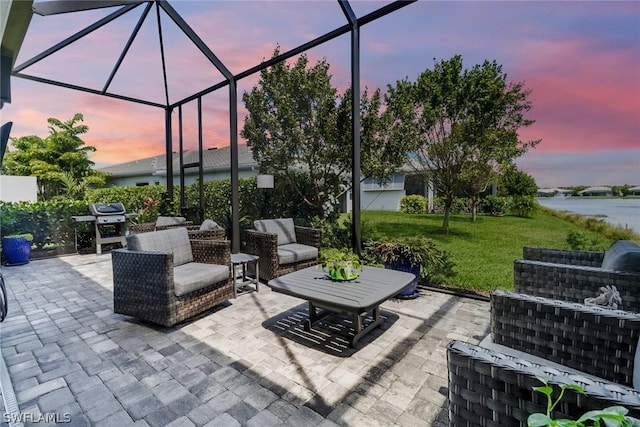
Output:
(246, 363)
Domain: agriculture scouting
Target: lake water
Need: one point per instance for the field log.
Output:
(622, 212)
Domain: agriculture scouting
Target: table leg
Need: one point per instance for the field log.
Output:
(235, 280)
(360, 332)
(257, 276)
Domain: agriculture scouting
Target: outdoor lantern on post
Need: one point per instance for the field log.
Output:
(264, 181)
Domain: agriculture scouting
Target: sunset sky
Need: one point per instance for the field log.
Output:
(580, 59)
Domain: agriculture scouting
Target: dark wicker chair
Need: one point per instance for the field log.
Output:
(144, 286)
(595, 348)
(266, 246)
(489, 388)
(573, 276)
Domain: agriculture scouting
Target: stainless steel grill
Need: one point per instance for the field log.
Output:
(110, 222)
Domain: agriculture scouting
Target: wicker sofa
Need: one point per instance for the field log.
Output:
(165, 278)
(534, 337)
(576, 275)
(282, 246)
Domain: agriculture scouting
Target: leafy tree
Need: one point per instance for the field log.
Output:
(464, 124)
(517, 183)
(298, 121)
(60, 161)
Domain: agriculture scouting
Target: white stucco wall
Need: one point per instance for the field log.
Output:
(386, 200)
(18, 188)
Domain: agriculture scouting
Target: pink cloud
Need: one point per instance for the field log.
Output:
(583, 98)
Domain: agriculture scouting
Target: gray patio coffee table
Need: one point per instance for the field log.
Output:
(353, 298)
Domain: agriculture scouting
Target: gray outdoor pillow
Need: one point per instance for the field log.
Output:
(209, 224)
(283, 227)
(623, 255)
(163, 221)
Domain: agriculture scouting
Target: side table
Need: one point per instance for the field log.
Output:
(242, 259)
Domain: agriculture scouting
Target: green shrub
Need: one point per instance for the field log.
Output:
(523, 206)
(578, 241)
(413, 204)
(494, 205)
(458, 206)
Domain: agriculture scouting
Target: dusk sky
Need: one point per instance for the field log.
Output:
(580, 59)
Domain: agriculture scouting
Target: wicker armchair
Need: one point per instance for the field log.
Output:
(590, 346)
(165, 278)
(282, 246)
(575, 275)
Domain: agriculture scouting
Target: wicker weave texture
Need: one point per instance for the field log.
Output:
(594, 340)
(575, 283)
(143, 284)
(487, 388)
(559, 256)
(265, 246)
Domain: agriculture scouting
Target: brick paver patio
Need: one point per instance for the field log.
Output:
(246, 363)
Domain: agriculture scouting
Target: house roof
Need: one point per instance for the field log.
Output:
(213, 160)
(592, 189)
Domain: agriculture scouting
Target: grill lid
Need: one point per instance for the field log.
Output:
(99, 209)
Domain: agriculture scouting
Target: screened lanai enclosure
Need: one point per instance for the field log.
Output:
(191, 75)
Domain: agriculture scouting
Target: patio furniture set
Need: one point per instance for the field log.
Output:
(549, 328)
(170, 271)
(545, 330)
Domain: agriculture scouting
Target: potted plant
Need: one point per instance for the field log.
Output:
(16, 248)
(340, 264)
(407, 256)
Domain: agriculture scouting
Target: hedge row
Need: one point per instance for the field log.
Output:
(50, 222)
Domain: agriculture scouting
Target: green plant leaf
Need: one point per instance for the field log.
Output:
(546, 390)
(538, 420)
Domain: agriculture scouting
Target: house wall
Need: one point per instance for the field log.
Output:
(385, 200)
(18, 188)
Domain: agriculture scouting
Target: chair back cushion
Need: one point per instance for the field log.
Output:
(163, 221)
(622, 255)
(283, 227)
(174, 240)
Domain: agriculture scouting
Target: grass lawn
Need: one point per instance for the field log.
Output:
(483, 251)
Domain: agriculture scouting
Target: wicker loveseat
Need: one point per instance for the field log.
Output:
(282, 246)
(534, 337)
(165, 278)
(576, 275)
(196, 232)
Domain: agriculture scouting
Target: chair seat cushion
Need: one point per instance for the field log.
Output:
(622, 255)
(174, 240)
(295, 252)
(282, 227)
(195, 275)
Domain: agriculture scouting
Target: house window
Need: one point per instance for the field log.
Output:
(141, 184)
(396, 183)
